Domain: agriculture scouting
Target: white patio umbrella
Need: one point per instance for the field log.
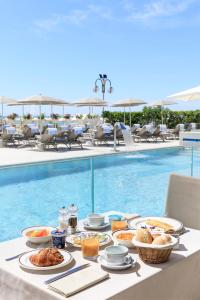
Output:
(41, 100)
(17, 104)
(129, 103)
(192, 94)
(91, 102)
(162, 104)
(5, 100)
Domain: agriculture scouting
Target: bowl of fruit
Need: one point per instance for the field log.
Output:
(38, 234)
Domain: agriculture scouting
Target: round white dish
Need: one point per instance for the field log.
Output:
(96, 219)
(172, 244)
(127, 243)
(115, 254)
(104, 263)
(25, 263)
(107, 239)
(37, 240)
(140, 222)
(92, 227)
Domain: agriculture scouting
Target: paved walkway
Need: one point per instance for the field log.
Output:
(11, 156)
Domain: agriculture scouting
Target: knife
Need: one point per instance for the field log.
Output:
(14, 257)
(71, 271)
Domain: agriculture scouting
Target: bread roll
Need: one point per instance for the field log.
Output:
(167, 238)
(162, 240)
(154, 235)
(144, 236)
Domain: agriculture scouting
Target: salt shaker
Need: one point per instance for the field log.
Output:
(63, 218)
(72, 218)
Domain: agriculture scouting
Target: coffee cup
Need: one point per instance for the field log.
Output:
(96, 219)
(115, 255)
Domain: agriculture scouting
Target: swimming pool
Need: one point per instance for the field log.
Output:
(132, 182)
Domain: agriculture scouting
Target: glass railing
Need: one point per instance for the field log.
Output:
(134, 182)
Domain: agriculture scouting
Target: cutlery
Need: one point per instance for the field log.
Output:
(14, 257)
(18, 255)
(71, 271)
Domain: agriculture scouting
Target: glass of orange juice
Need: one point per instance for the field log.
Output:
(118, 225)
(90, 247)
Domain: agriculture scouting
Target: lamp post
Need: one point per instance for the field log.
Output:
(103, 80)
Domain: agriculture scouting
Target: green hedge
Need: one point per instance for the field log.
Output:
(149, 114)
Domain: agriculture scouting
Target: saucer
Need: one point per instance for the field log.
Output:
(104, 263)
(89, 226)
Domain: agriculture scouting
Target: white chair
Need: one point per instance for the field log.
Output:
(183, 200)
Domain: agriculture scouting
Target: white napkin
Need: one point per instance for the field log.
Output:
(78, 281)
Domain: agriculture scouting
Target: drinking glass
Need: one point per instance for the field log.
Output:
(90, 247)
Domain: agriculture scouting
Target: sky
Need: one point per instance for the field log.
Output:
(149, 49)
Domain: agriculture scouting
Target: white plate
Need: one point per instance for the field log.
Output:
(104, 263)
(140, 222)
(88, 226)
(127, 243)
(106, 241)
(25, 263)
(37, 240)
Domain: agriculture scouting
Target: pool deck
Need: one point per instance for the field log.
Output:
(13, 156)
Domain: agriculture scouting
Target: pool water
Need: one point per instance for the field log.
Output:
(133, 182)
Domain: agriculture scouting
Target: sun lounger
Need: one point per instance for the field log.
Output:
(27, 138)
(175, 132)
(101, 136)
(161, 132)
(73, 138)
(48, 141)
(135, 128)
(144, 134)
(7, 139)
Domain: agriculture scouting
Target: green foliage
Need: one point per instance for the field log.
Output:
(153, 114)
(27, 117)
(67, 116)
(92, 116)
(12, 116)
(54, 116)
(42, 116)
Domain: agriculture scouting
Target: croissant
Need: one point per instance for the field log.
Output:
(47, 257)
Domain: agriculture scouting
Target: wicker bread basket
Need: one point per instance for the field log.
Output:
(155, 254)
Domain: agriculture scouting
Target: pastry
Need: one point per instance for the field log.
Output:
(155, 223)
(127, 236)
(144, 236)
(162, 240)
(46, 257)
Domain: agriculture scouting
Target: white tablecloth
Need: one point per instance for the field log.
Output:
(177, 279)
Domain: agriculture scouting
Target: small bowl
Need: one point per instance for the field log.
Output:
(115, 218)
(125, 242)
(115, 254)
(96, 219)
(37, 240)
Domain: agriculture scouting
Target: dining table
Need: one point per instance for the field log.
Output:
(178, 278)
